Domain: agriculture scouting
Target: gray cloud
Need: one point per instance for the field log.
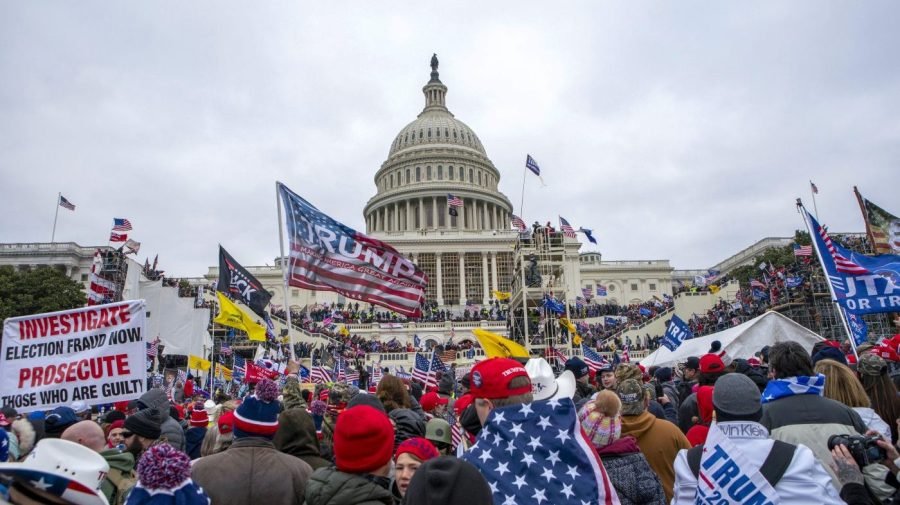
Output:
(674, 130)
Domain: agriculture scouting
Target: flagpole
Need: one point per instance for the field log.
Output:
(55, 217)
(815, 245)
(813, 193)
(284, 282)
(521, 201)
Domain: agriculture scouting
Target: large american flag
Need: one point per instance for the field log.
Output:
(802, 250)
(121, 224)
(595, 361)
(454, 201)
(65, 203)
(518, 223)
(329, 256)
(566, 228)
(537, 453)
(553, 353)
(320, 374)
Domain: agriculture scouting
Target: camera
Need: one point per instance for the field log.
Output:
(863, 449)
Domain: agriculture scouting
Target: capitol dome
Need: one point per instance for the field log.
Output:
(434, 157)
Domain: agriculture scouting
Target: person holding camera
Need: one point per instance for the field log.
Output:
(852, 453)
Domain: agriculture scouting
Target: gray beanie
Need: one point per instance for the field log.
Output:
(736, 394)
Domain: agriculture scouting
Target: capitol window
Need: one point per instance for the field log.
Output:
(420, 134)
(418, 174)
(407, 176)
(471, 175)
(479, 177)
(440, 172)
(450, 173)
(454, 134)
(429, 133)
(447, 132)
(634, 286)
(652, 287)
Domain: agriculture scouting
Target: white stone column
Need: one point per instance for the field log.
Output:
(434, 216)
(484, 279)
(396, 216)
(461, 220)
(409, 220)
(485, 217)
(422, 213)
(462, 279)
(440, 280)
(496, 221)
(494, 280)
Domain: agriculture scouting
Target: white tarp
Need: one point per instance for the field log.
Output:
(181, 328)
(742, 341)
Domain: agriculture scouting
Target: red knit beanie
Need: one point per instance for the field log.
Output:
(199, 417)
(363, 440)
(421, 448)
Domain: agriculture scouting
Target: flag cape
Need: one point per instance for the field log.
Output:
(232, 316)
(495, 345)
(326, 255)
(241, 284)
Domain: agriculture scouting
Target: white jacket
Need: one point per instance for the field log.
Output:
(873, 421)
(804, 483)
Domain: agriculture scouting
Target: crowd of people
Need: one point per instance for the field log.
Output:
(785, 425)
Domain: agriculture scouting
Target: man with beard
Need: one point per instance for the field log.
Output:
(141, 431)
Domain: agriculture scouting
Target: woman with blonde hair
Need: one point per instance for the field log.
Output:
(842, 385)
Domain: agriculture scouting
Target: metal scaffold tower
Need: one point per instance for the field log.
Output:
(539, 275)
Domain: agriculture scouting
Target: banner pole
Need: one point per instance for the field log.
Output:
(815, 245)
(284, 280)
(55, 217)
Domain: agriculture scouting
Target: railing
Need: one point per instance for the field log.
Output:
(389, 358)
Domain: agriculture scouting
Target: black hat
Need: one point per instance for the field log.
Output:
(145, 423)
(693, 363)
(58, 420)
(114, 415)
(447, 480)
(578, 367)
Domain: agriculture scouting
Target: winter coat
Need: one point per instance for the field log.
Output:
(252, 471)
(296, 436)
(804, 482)
(630, 473)
(873, 421)
(810, 420)
(684, 390)
(193, 439)
(171, 430)
(687, 412)
(121, 463)
(660, 442)
(407, 424)
(328, 486)
(583, 391)
(671, 392)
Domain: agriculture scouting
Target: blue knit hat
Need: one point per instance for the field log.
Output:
(164, 477)
(257, 416)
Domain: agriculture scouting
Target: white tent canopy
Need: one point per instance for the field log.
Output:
(741, 341)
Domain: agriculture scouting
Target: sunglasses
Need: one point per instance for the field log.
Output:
(126, 434)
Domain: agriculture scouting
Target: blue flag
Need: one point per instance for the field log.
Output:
(644, 311)
(858, 328)
(532, 165)
(587, 233)
(793, 282)
(676, 333)
(610, 321)
(554, 305)
(759, 294)
(417, 341)
(861, 284)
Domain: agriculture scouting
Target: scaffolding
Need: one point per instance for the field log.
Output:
(113, 268)
(538, 274)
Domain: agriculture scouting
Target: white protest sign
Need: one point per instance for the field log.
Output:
(94, 354)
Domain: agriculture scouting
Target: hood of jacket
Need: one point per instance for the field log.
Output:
(156, 398)
(328, 486)
(639, 425)
(296, 434)
(122, 461)
(408, 424)
(621, 447)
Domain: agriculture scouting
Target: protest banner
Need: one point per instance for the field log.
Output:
(95, 354)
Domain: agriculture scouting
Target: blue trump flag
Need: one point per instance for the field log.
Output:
(858, 328)
(861, 284)
(676, 333)
(644, 311)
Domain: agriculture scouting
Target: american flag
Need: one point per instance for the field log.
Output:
(601, 290)
(518, 223)
(153, 348)
(65, 203)
(455, 434)
(121, 224)
(118, 237)
(813, 187)
(595, 361)
(454, 201)
(802, 250)
(841, 262)
(238, 365)
(625, 357)
(566, 228)
(757, 284)
(320, 374)
(543, 449)
(329, 256)
(304, 374)
(225, 350)
(448, 356)
(339, 375)
(553, 353)
(425, 373)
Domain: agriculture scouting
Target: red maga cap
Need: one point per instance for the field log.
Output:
(711, 363)
(491, 378)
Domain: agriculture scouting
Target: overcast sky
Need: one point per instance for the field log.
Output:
(675, 130)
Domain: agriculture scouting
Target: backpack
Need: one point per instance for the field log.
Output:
(773, 468)
(122, 482)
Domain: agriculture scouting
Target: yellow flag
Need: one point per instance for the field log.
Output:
(344, 331)
(567, 324)
(576, 340)
(713, 288)
(198, 363)
(231, 315)
(497, 346)
(224, 373)
(501, 295)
